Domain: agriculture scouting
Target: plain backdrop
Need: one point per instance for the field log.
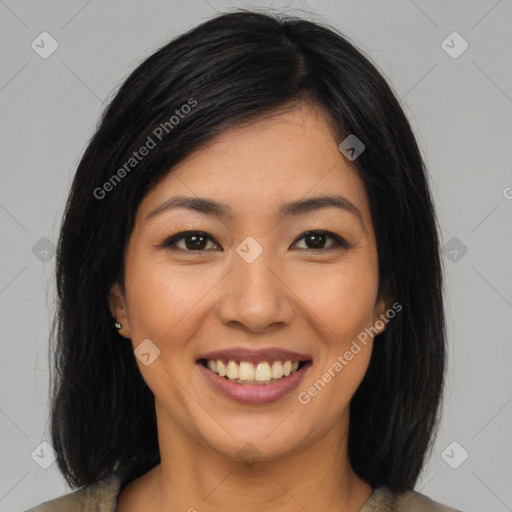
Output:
(459, 101)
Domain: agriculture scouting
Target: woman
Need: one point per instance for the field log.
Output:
(250, 303)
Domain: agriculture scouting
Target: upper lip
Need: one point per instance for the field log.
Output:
(255, 356)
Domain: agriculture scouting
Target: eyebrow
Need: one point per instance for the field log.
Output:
(221, 210)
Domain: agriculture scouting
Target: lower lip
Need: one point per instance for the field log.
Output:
(255, 394)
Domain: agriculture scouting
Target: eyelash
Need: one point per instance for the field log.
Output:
(340, 243)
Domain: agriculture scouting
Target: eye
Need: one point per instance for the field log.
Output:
(316, 241)
(194, 241)
(197, 241)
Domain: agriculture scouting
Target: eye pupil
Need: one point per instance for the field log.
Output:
(317, 239)
(198, 242)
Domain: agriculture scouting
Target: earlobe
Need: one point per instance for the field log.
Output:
(118, 310)
(380, 320)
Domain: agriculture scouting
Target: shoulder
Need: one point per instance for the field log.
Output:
(98, 497)
(413, 501)
(384, 500)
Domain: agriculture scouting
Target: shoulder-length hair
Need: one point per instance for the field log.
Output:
(232, 69)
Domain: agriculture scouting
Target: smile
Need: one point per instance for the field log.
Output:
(249, 390)
(249, 373)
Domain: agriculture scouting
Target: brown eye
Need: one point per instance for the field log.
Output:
(193, 241)
(316, 240)
(197, 241)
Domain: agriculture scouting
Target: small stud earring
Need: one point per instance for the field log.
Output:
(117, 325)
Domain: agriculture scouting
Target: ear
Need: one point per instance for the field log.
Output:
(119, 310)
(380, 319)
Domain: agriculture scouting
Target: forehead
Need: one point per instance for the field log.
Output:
(258, 166)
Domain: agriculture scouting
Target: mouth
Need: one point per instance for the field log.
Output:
(254, 377)
(261, 373)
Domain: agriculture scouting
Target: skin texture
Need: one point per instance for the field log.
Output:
(293, 296)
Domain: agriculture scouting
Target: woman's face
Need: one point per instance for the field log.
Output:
(254, 285)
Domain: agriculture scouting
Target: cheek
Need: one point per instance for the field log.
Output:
(341, 298)
(162, 298)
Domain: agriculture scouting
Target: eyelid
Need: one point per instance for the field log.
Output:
(169, 242)
(339, 242)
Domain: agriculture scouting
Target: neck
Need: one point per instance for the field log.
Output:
(195, 477)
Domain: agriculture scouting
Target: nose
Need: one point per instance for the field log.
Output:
(255, 296)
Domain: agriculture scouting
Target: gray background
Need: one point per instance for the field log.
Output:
(460, 109)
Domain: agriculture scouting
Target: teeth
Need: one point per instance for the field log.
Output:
(263, 372)
(221, 368)
(232, 371)
(277, 370)
(244, 372)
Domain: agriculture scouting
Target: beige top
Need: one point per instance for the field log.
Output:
(102, 497)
